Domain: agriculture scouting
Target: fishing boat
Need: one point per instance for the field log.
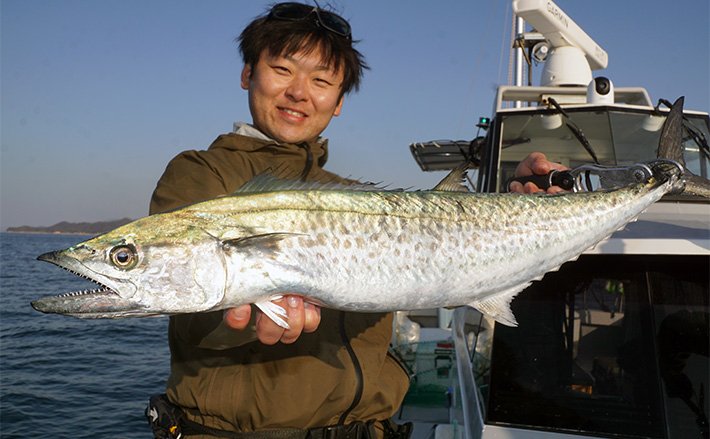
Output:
(614, 344)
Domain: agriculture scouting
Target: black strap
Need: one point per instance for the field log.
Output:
(392, 430)
(169, 421)
(356, 430)
(190, 428)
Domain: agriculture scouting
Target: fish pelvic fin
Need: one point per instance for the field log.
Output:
(274, 312)
(498, 306)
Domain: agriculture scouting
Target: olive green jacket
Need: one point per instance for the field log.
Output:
(227, 379)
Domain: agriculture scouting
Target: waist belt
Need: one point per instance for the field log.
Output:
(169, 422)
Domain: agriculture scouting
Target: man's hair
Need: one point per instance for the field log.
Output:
(287, 37)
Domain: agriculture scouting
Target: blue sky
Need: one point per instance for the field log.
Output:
(97, 96)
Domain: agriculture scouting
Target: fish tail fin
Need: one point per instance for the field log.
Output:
(670, 147)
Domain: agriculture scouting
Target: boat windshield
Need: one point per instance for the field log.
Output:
(618, 137)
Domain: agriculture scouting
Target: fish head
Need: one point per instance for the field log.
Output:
(143, 268)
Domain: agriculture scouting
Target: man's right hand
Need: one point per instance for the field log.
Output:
(535, 164)
(302, 317)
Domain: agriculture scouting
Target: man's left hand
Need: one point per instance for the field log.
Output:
(302, 317)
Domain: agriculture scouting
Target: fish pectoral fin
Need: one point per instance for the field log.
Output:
(265, 241)
(274, 312)
(498, 307)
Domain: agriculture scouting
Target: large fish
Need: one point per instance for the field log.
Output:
(353, 248)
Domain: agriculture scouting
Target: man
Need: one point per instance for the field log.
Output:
(238, 371)
(228, 373)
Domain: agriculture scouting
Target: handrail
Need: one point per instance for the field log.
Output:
(473, 418)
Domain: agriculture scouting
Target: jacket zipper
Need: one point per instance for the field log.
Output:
(309, 161)
(356, 365)
(341, 315)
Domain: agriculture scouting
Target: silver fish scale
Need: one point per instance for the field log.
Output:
(407, 250)
(360, 251)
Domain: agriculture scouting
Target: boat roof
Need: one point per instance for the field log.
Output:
(624, 97)
(669, 227)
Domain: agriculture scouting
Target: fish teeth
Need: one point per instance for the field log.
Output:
(101, 290)
(87, 292)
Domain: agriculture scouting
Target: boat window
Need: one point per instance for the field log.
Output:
(585, 356)
(523, 134)
(617, 138)
(636, 135)
(681, 320)
(696, 136)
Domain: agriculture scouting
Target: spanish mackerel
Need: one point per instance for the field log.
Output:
(354, 248)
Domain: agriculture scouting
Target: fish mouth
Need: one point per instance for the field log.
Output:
(101, 302)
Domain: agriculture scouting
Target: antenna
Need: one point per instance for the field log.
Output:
(572, 55)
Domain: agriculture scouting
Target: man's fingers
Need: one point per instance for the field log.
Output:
(535, 164)
(237, 317)
(301, 317)
(267, 330)
(531, 188)
(312, 317)
(296, 319)
(270, 333)
(532, 164)
(555, 189)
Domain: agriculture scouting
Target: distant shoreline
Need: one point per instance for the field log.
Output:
(67, 228)
(17, 232)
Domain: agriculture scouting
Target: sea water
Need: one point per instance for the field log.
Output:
(62, 377)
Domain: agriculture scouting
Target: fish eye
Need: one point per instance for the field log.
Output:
(124, 257)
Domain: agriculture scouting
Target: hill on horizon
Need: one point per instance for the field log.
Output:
(65, 227)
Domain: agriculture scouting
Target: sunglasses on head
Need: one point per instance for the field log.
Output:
(299, 11)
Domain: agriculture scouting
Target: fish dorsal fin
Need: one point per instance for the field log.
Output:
(454, 181)
(272, 181)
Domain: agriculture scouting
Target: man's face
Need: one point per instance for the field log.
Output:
(292, 98)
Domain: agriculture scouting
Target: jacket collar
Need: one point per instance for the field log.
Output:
(319, 148)
(248, 130)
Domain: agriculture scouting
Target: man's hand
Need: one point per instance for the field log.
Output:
(535, 163)
(302, 317)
